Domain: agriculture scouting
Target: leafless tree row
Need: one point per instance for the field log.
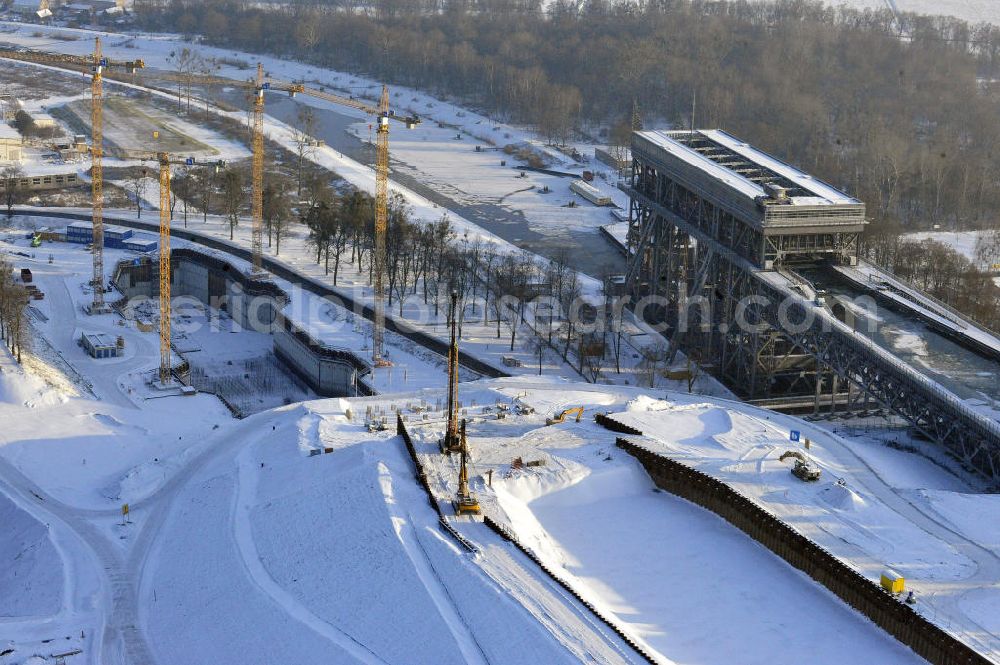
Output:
(943, 272)
(898, 111)
(13, 310)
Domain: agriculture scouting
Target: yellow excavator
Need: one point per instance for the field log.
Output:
(803, 469)
(561, 418)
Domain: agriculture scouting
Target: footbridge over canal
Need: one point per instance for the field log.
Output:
(716, 231)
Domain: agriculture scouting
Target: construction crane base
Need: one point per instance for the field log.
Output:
(95, 309)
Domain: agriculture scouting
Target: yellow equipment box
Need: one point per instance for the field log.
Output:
(892, 581)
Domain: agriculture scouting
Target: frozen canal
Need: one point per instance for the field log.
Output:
(969, 375)
(592, 252)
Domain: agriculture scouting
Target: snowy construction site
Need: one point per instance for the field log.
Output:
(299, 368)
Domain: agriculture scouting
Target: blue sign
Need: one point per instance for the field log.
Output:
(189, 161)
(795, 435)
(266, 85)
(136, 262)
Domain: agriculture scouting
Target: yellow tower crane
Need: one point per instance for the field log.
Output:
(383, 115)
(165, 281)
(381, 226)
(164, 160)
(97, 64)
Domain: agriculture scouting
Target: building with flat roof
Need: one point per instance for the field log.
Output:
(780, 213)
(101, 345)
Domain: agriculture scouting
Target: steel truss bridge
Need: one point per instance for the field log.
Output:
(713, 270)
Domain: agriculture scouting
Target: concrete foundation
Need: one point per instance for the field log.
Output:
(254, 304)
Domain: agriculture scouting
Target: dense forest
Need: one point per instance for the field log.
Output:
(902, 114)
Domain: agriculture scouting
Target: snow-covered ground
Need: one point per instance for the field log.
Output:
(665, 564)
(963, 242)
(104, 426)
(246, 547)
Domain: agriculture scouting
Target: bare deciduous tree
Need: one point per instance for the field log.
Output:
(232, 197)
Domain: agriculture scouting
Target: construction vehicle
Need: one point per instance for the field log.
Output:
(803, 469)
(450, 442)
(806, 471)
(561, 417)
(96, 64)
(36, 240)
(465, 501)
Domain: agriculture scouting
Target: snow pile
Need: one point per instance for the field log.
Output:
(31, 570)
(140, 481)
(334, 557)
(647, 403)
(842, 497)
(743, 448)
(347, 494)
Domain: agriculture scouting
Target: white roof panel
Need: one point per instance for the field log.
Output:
(823, 191)
(663, 140)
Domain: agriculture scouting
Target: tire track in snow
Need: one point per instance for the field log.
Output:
(246, 492)
(403, 525)
(119, 638)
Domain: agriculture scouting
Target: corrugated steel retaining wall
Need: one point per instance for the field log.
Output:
(422, 479)
(894, 617)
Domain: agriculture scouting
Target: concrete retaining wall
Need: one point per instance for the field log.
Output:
(254, 305)
(398, 326)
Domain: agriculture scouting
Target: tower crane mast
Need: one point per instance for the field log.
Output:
(257, 174)
(383, 114)
(381, 226)
(97, 64)
(165, 280)
(164, 160)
